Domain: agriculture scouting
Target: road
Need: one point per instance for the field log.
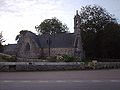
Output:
(61, 80)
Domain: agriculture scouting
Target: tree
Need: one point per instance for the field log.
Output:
(99, 29)
(51, 26)
(108, 41)
(94, 18)
(1, 41)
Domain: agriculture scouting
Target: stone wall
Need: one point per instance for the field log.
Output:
(29, 60)
(48, 66)
(58, 51)
(28, 47)
(45, 51)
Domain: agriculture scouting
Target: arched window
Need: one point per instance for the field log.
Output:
(27, 47)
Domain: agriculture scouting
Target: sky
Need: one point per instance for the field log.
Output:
(17, 15)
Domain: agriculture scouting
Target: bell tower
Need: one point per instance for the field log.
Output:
(78, 48)
(77, 23)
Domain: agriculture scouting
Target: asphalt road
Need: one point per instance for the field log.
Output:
(61, 80)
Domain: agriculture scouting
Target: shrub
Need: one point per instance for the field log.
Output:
(86, 60)
(7, 58)
(61, 58)
(67, 58)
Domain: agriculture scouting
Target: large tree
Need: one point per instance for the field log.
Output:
(94, 18)
(51, 26)
(108, 41)
(99, 30)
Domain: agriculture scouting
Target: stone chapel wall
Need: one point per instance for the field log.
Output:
(58, 51)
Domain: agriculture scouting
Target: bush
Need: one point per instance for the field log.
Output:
(7, 58)
(86, 60)
(61, 58)
(67, 58)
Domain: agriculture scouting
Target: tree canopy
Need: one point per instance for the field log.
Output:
(51, 26)
(94, 18)
(100, 33)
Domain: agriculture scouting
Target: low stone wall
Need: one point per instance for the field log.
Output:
(28, 60)
(48, 66)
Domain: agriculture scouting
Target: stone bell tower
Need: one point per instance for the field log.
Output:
(78, 48)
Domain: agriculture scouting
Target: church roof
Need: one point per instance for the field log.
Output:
(62, 40)
(10, 47)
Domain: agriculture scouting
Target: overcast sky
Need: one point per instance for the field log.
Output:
(17, 15)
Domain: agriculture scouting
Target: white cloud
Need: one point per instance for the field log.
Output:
(16, 15)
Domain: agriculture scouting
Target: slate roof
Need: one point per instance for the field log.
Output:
(62, 40)
(10, 47)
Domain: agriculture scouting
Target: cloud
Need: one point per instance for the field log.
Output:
(18, 15)
(28, 7)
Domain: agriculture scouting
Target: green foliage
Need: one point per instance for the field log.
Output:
(108, 41)
(94, 18)
(100, 33)
(67, 58)
(51, 26)
(86, 60)
(7, 58)
(61, 58)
